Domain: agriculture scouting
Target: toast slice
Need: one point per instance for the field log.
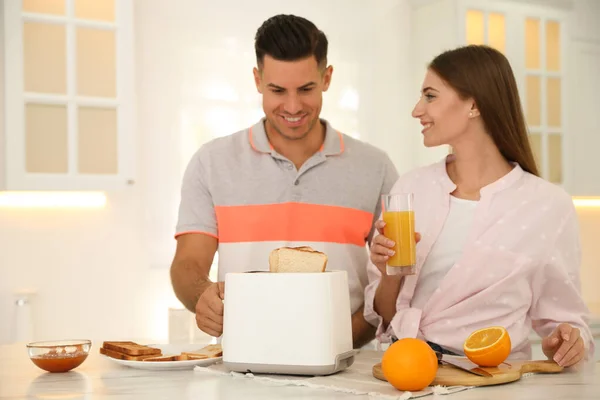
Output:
(131, 348)
(163, 358)
(274, 261)
(297, 259)
(123, 356)
(274, 256)
(178, 357)
(210, 351)
(195, 357)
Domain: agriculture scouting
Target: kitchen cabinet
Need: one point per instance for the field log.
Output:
(534, 37)
(584, 118)
(68, 95)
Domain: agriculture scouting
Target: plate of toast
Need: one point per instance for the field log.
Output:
(161, 357)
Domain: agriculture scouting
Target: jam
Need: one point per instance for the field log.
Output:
(60, 361)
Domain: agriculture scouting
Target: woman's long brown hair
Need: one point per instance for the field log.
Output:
(484, 74)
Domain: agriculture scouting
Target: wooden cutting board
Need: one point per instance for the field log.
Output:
(451, 376)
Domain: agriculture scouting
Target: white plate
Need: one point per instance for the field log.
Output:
(167, 350)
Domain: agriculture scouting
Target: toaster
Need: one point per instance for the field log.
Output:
(287, 323)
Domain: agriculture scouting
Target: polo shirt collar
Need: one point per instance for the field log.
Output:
(332, 145)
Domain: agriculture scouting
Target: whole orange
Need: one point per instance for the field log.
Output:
(409, 364)
(488, 347)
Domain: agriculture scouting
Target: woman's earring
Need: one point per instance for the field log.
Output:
(471, 114)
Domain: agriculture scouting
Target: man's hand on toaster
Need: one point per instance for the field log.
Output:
(209, 309)
(382, 247)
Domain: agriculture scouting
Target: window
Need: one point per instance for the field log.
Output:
(486, 28)
(536, 59)
(543, 95)
(69, 87)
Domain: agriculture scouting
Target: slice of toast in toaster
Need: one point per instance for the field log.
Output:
(123, 356)
(297, 259)
(131, 348)
(210, 351)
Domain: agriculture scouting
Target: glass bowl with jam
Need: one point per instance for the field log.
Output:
(59, 356)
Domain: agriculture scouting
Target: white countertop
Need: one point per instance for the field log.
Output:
(98, 378)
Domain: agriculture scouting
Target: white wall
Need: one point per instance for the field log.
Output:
(392, 92)
(584, 22)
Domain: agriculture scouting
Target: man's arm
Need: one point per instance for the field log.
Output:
(390, 178)
(191, 267)
(362, 331)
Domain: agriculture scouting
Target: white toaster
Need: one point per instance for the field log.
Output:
(287, 323)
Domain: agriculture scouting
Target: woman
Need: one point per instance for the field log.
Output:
(498, 245)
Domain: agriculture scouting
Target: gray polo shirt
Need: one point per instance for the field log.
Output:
(240, 190)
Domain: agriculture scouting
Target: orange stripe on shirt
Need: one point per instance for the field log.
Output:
(293, 222)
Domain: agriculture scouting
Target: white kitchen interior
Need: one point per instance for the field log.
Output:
(123, 92)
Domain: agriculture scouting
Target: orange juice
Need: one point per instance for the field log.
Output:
(400, 227)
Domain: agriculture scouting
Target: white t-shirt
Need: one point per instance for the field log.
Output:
(446, 250)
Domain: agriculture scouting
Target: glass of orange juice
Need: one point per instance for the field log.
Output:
(399, 218)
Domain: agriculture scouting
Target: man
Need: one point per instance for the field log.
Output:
(289, 180)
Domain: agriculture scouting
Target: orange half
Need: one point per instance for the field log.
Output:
(488, 347)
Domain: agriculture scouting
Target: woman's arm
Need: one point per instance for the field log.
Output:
(385, 297)
(558, 312)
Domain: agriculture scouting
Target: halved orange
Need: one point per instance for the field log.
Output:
(488, 347)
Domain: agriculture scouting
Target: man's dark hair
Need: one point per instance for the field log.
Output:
(290, 38)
